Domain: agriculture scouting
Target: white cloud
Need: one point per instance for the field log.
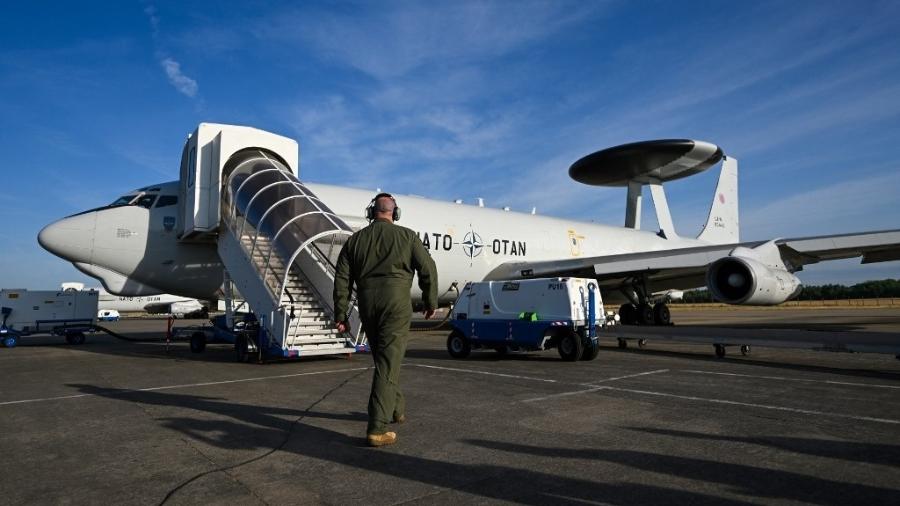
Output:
(394, 40)
(854, 205)
(184, 84)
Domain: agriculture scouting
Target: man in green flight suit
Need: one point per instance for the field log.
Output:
(380, 259)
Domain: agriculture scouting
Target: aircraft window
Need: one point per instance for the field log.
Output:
(192, 166)
(167, 200)
(123, 201)
(145, 201)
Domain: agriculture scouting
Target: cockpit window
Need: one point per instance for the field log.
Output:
(167, 200)
(145, 201)
(123, 201)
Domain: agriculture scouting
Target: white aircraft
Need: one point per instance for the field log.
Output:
(164, 303)
(163, 237)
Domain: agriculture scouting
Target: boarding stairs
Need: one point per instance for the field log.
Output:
(279, 244)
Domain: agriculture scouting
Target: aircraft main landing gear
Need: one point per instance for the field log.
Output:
(645, 314)
(640, 310)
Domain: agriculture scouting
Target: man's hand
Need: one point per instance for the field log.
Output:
(429, 313)
(342, 326)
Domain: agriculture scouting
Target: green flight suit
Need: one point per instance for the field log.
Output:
(380, 259)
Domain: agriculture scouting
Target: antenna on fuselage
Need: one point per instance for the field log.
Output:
(648, 163)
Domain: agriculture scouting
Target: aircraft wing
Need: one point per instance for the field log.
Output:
(872, 246)
(686, 267)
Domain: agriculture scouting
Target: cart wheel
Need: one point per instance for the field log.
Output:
(623, 343)
(458, 345)
(10, 340)
(745, 349)
(720, 350)
(198, 342)
(569, 346)
(75, 337)
(241, 351)
(591, 349)
(642, 343)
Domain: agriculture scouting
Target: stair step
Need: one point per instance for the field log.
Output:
(318, 332)
(307, 319)
(312, 348)
(317, 341)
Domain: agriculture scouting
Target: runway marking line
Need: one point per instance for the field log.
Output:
(779, 378)
(617, 378)
(486, 373)
(753, 405)
(596, 388)
(186, 385)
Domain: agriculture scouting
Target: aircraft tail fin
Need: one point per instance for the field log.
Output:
(722, 225)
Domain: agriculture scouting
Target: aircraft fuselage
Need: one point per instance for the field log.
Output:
(133, 249)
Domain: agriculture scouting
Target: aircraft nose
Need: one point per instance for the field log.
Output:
(70, 238)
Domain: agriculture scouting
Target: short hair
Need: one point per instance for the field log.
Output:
(384, 203)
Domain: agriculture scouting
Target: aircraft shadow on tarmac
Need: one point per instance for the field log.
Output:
(775, 484)
(269, 429)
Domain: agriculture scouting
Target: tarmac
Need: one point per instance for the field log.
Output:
(130, 422)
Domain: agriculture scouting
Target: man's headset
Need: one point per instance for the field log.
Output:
(370, 210)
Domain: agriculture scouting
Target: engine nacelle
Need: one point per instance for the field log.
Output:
(743, 280)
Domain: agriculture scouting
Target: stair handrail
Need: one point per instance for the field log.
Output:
(274, 239)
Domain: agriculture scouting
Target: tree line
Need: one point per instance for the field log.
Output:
(865, 290)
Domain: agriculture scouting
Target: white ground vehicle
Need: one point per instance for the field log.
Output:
(529, 315)
(58, 312)
(108, 315)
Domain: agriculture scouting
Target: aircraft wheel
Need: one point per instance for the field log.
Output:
(10, 340)
(623, 343)
(642, 343)
(644, 314)
(241, 348)
(198, 342)
(458, 344)
(569, 346)
(720, 350)
(591, 350)
(745, 349)
(626, 314)
(661, 314)
(75, 337)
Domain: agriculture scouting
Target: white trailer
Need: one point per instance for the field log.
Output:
(67, 313)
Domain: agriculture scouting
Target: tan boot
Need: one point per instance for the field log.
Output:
(388, 438)
(399, 418)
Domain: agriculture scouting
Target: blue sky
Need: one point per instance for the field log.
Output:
(459, 100)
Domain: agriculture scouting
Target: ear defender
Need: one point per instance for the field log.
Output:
(370, 210)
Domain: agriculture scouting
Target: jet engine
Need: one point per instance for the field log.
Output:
(745, 277)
